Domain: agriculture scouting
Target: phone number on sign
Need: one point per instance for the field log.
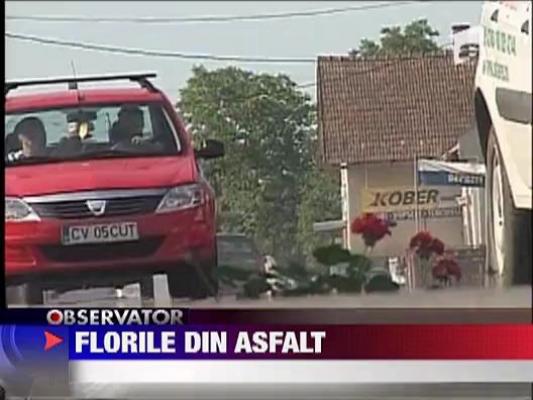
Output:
(451, 212)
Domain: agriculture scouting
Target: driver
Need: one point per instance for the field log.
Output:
(129, 126)
(32, 136)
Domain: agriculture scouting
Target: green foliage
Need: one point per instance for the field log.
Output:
(346, 284)
(331, 255)
(232, 276)
(297, 280)
(267, 179)
(360, 263)
(321, 201)
(416, 37)
(255, 286)
(354, 272)
(381, 283)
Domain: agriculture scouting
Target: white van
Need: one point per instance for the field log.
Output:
(503, 114)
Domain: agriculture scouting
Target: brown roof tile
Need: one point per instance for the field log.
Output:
(373, 110)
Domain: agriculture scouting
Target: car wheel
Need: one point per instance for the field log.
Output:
(33, 294)
(205, 283)
(508, 255)
(177, 283)
(147, 287)
(195, 282)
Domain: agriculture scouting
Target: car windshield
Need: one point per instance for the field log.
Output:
(100, 131)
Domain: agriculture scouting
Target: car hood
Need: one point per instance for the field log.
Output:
(73, 176)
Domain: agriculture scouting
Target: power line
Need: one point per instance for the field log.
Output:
(144, 52)
(206, 19)
(155, 53)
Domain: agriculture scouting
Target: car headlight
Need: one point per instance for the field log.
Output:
(181, 198)
(18, 211)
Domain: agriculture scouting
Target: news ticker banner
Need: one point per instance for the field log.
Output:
(131, 339)
(121, 335)
(272, 316)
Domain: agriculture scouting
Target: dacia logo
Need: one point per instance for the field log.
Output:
(96, 207)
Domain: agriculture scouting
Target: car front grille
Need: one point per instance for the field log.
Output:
(78, 209)
(100, 252)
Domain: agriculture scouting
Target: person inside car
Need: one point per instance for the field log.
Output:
(79, 134)
(70, 144)
(32, 136)
(12, 143)
(128, 129)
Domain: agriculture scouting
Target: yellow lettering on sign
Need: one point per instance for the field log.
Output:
(398, 199)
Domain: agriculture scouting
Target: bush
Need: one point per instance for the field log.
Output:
(331, 255)
(381, 283)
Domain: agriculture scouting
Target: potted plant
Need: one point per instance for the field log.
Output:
(426, 248)
(446, 271)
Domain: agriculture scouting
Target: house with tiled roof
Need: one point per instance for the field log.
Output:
(376, 118)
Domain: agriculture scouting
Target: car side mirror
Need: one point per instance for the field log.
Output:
(210, 149)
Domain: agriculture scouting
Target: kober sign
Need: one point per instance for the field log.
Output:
(406, 199)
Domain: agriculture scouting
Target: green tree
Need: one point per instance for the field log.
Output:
(321, 201)
(267, 126)
(416, 37)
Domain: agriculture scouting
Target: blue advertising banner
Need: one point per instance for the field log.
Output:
(444, 173)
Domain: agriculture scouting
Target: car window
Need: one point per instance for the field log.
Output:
(134, 128)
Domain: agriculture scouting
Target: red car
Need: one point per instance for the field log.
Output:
(103, 188)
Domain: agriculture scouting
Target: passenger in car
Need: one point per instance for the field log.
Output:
(70, 144)
(129, 127)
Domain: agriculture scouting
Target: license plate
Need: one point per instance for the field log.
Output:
(100, 233)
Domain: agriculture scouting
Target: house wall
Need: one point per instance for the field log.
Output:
(470, 149)
(394, 175)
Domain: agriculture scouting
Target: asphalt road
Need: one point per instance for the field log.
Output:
(448, 391)
(518, 297)
(456, 391)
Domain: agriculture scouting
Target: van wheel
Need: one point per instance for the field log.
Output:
(508, 254)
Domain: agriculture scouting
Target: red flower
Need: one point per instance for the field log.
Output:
(425, 245)
(421, 239)
(446, 268)
(439, 271)
(371, 228)
(437, 246)
(454, 270)
(358, 224)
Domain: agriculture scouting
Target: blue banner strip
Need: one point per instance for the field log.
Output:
(443, 178)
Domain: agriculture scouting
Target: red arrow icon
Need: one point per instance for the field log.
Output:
(51, 340)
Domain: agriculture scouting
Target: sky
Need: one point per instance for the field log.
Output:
(304, 37)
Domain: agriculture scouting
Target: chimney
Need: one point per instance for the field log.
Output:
(459, 28)
(465, 41)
